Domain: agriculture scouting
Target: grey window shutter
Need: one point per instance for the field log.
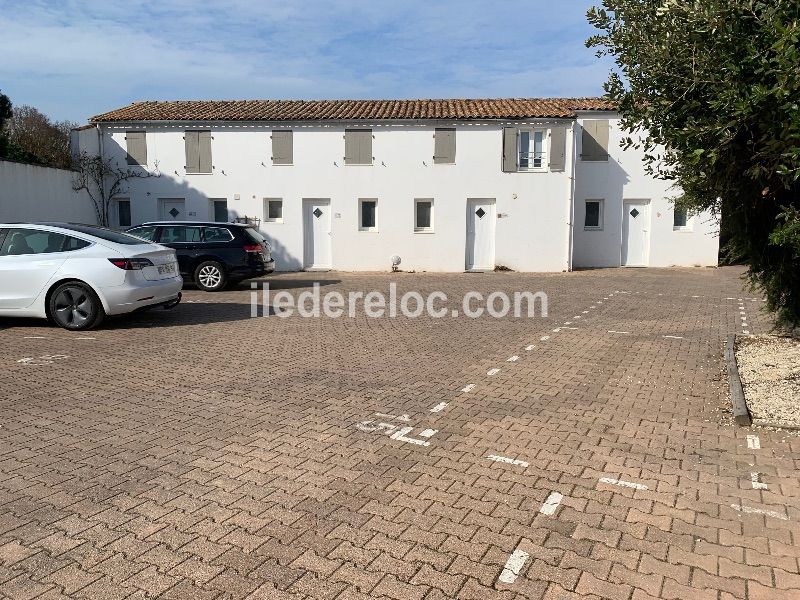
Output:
(205, 151)
(594, 140)
(365, 147)
(136, 143)
(510, 149)
(192, 140)
(358, 147)
(558, 148)
(282, 148)
(444, 147)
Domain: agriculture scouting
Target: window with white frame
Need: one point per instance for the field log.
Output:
(681, 219)
(423, 215)
(368, 214)
(593, 218)
(532, 149)
(273, 210)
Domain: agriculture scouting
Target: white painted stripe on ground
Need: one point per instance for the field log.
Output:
(585, 312)
(507, 460)
(753, 442)
(746, 331)
(439, 407)
(576, 317)
(755, 479)
(544, 338)
(759, 511)
(513, 566)
(569, 328)
(85, 338)
(551, 504)
(623, 483)
(530, 347)
(35, 337)
(567, 322)
(674, 337)
(468, 388)
(621, 332)
(557, 329)
(514, 358)
(494, 371)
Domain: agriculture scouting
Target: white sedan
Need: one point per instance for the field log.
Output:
(75, 275)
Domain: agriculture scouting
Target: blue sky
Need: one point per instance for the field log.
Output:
(77, 58)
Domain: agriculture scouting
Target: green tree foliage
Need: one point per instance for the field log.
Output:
(27, 135)
(716, 84)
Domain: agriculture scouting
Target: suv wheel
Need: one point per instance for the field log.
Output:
(210, 276)
(75, 306)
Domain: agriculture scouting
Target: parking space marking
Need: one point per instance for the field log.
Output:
(674, 337)
(468, 388)
(35, 337)
(530, 347)
(755, 479)
(47, 359)
(544, 338)
(439, 407)
(620, 332)
(569, 328)
(514, 358)
(402, 436)
(551, 504)
(567, 322)
(759, 511)
(494, 371)
(404, 418)
(753, 442)
(623, 483)
(85, 338)
(509, 461)
(513, 566)
(557, 329)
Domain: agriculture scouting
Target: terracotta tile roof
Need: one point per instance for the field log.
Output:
(346, 110)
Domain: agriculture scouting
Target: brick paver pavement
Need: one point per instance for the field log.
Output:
(204, 454)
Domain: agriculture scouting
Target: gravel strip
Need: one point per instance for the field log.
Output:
(769, 367)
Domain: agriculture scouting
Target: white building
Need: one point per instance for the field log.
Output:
(447, 185)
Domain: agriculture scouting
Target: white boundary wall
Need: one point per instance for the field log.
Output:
(36, 193)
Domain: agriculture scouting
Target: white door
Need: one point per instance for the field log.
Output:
(480, 234)
(635, 233)
(172, 209)
(317, 233)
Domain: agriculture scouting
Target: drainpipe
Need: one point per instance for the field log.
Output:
(571, 198)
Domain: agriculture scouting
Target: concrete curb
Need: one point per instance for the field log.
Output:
(740, 413)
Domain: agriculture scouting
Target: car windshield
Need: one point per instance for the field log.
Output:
(103, 233)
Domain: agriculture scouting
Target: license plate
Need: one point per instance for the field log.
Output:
(166, 269)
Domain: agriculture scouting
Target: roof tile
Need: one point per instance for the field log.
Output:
(355, 110)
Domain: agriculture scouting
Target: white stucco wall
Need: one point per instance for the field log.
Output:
(35, 193)
(623, 177)
(532, 233)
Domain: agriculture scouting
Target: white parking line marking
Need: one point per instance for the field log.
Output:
(759, 511)
(35, 337)
(567, 322)
(623, 483)
(514, 358)
(557, 329)
(753, 442)
(544, 338)
(569, 328)
(468, 388)
(513, 566)
(584, 311)
(674, 337)
(439, 407)
(507, 460)
(622, 332)
(85, 338)
(755, 479)
(576, 317)
(402, 437)
(530, 347)
(494, 371)
(404, 418)
(551, 504)
(746, 331)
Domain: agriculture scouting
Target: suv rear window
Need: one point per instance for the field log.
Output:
(218, 234)
(254, 235)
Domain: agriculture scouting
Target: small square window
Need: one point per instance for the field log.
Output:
(273, 210)
(368, 215)
(594, 215)
(423, 215)
(681, 220)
